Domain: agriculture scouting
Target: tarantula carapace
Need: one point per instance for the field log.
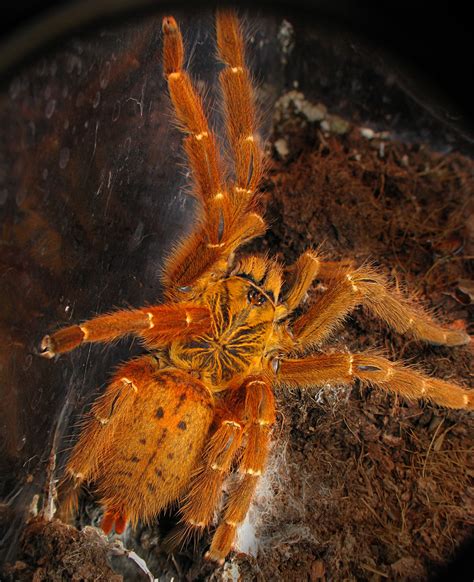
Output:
(175, 422)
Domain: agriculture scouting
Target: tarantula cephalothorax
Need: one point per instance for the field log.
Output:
(174, 423)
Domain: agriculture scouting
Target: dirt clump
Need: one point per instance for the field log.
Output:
(52, 551)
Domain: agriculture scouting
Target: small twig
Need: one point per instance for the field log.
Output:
(374, 570)
(176, 565)
(431, 445)
(443, 260)
(373, 512)
(119, 549)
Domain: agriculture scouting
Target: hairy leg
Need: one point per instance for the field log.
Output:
(202, 499)
(224, 222)
(246, 428)
(240, 115)
(321, 369)
(155, 325)
(257, 410)
(349, 288)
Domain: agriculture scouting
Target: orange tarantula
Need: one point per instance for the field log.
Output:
(174, 423)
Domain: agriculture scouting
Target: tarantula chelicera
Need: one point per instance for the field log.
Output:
(175, 422)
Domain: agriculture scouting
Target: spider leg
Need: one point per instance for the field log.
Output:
(253, 415)
(375, 370)
(156, 325)
(304, 271)
(224, 222)
(258, 414)
(201, 501)
(302, 275)
(101, 425)
(241, 122)
(368, 287)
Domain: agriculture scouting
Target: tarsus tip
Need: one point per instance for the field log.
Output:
(211, 558)
(46, 347)
(169, 25)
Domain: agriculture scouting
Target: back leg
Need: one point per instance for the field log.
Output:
(257, 409)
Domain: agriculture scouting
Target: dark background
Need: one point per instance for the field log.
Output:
(430, 46)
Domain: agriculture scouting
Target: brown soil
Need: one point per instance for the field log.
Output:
(371, 486)
(363, 485)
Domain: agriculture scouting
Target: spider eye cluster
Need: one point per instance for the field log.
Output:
(255, 297)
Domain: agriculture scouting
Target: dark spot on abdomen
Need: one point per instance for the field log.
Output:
(162, 437)
(182, 425)
(135, 459)
(160, 412)
(143, 441)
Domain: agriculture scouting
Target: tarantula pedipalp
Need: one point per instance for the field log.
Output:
(175, 422)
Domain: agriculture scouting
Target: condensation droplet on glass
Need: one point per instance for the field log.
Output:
(64, 156)
(74, 62)
(50, 107)
(15, 88)
(28, 361)
(105, 75)
(96, 101)
(21, 443)
(65, 92)
(47, 92)
(66, 124)
(116, 111)
(3, 196)
(44, 174)
(86, 124)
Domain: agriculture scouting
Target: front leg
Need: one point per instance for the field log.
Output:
(155, 325)
(227, 215)
(366, 286)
